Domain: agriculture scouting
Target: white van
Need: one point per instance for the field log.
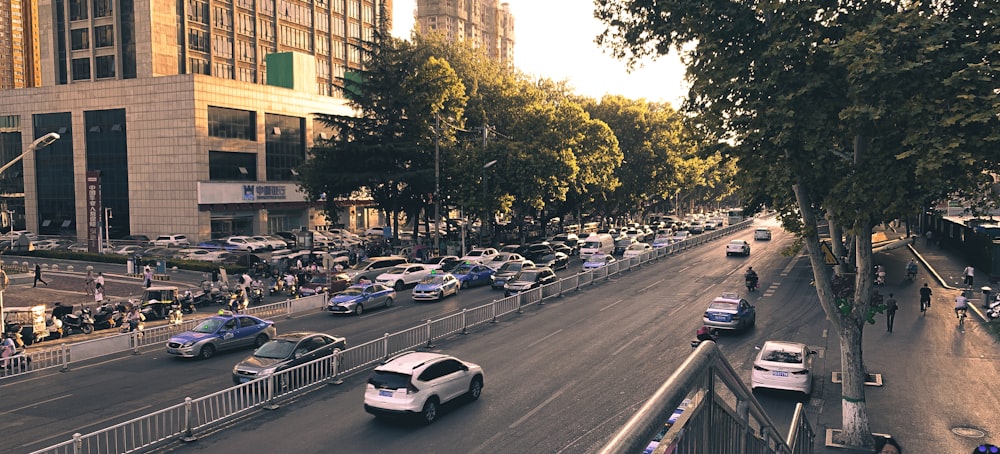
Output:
(598, 243)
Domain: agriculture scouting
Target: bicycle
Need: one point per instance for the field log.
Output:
(961, 313)
(924, 304)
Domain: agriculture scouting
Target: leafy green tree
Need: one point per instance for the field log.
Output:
(856, 112)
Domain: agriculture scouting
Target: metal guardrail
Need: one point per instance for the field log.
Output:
(720, 415)
(185, 420)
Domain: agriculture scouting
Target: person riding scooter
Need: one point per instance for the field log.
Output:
(911, 270)
(704, 334)
(751, 279)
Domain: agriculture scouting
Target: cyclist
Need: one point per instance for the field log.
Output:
(925, 297)
(961, 305)
(911, 269)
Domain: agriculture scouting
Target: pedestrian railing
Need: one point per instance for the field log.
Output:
(184, 421)
(718, 415)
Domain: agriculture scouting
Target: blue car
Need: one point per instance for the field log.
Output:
(435, 287)
(471, 274)
(225, 331)
(356, 298)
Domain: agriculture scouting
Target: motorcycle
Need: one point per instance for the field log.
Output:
(256, 292)
(751, 283)
(108, 316)
(238, 302)
(993, 312)
(188, 303)
(879, 274)
(911, 272)
(277, 286)
(81, 321)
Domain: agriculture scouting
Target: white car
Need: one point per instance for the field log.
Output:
(762, 234)
(246, 243)
(598, 261)
(129, 250)
(498, 260)
(273, 244)
(480, 255)
(418, 383)
(171, 241)
(680, 235)
(636, 250)
(783, 365)
(400, 276)
(738, 247)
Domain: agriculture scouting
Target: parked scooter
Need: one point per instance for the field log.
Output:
(109, 316)
(993, 312)
(81, 321)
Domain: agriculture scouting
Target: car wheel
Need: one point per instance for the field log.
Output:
(440, 296)
(207, 351)
(475, 388)
(429, 413)
(359, 309)
(260, 340)
(465, 284)
(388, 302)
(399, 286)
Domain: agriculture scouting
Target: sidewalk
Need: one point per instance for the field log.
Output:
(921, 363)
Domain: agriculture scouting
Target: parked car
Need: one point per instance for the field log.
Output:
(679, 236)
(289, 238)
(442, 262)
(418, 383)
(472, 274)
(571, 240)
(783, 365)
(401, 276)
(272, 244)
(356, 298)
(622, 244)
(507, 271)
(729, 311)
(738, 247)
(246, 243)
(529, 279)
(284, 352)
(369, 268)
(140, 240)
(221, 332)
(435, 287)
(172, 241)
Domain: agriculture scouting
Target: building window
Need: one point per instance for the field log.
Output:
(198, 40)
(77, 10)
(244, 74)
(222, 46)
(197, 11)
(245, 51)
(105, 66)
(223, 70)
(79, 39)
(107, 151)
(285, 146)
(81, 69)
(54, 184)
(232, 123)
(104, 36)
(248, 4)
(223, 18)
(102, 8)
(230, 166)
(198, 66)
(244, 24)
(266, 29)
(266, 7)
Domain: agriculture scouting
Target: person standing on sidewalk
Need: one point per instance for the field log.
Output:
(99, 282)
(38, 276)
(969, 273)
(890, 312)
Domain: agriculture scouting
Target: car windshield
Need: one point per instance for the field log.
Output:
(352, 291)
(475, 253)
(362, 265)
(433, 279)
(529, 275)
(276, 349)
(782, 356)
(463, 269)
(511, 267)
(209, 326)
(637, 247)
(592, 244)
(723, 306)
(396, 270)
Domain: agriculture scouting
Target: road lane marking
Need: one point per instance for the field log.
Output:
(610, 305)
(623, 347)
(539, 407)
(543, 339)
(36, 404)
(650, 286)
(100, 421)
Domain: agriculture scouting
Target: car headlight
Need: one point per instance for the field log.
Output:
(188, 344)
(266, 372)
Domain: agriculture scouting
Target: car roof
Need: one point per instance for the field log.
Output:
(298, 335)
(783, 345)
(405, 363)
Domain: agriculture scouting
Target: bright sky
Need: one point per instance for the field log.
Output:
(555, 39)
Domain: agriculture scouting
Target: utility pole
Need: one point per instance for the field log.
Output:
(437, 183)
(485, 224)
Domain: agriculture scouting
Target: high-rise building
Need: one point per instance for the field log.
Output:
(179, 116)
(19, 63)
(486, 24)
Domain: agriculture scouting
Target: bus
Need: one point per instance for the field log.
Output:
(734, 215)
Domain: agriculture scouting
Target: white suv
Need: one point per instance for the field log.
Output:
(417, 383)
(171, 241)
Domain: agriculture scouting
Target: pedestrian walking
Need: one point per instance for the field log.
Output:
(99, 282)
(969, 274)
(930, 237)
(38, 276)
(147, 277)
(890, 312)
(99, 295)
(88, 283)
(887, 445)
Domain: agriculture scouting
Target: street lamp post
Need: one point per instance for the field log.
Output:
(37, 144)
(482, 223)
(437, 182)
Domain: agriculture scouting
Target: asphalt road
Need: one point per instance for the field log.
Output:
(559, 378)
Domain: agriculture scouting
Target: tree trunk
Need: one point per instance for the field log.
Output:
(855, 430)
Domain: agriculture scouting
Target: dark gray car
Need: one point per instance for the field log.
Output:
(284, 352)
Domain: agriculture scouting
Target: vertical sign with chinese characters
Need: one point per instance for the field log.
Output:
(94, 210)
